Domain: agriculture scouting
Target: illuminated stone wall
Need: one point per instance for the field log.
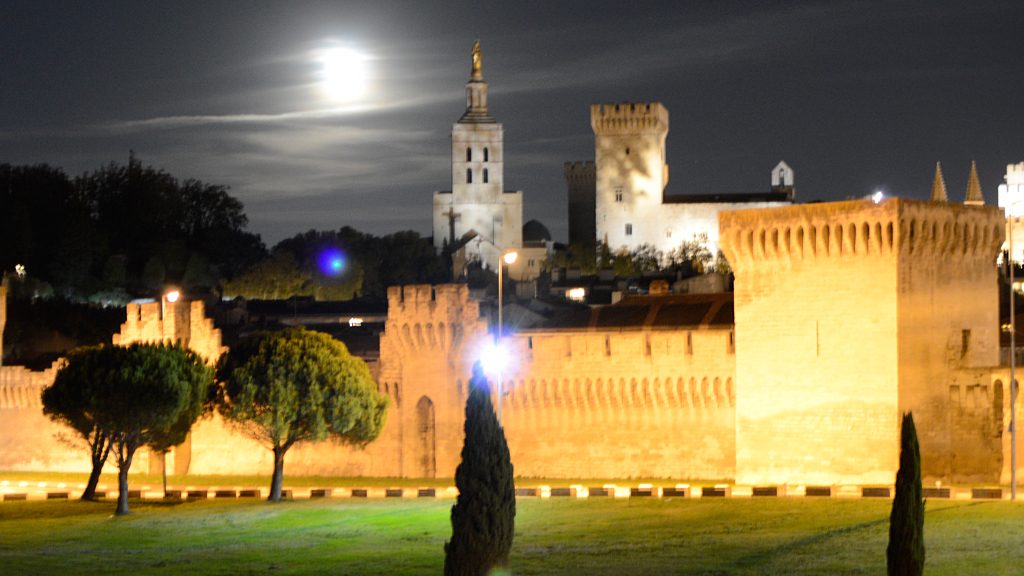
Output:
(848, 313)
(180, 321)
(622, 404)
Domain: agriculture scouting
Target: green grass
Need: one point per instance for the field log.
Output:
(594, 537)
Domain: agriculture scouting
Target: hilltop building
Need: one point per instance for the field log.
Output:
(620, 198)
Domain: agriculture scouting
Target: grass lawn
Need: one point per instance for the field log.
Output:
(596, 536)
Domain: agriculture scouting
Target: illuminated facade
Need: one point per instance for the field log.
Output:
(477, 201)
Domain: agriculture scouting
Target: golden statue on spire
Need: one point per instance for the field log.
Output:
(478, 60)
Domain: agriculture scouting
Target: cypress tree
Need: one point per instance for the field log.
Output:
(905, 554)
(483, 518)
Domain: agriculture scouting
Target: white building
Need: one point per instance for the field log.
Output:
(631, 207)
(1011, 200)
(477, 203)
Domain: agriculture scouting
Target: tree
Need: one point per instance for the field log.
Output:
(483, 518)
(70, 400)
(693, 252)
(299, 386)
(131, 396)
(905, 553)
(277, 277)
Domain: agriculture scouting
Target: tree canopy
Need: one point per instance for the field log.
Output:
(142, 394)
(107, 231)
(483, 518)
(297, 385)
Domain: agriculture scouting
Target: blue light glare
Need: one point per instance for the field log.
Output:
(331, 262)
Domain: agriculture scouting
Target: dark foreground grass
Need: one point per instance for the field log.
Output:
(593, 537)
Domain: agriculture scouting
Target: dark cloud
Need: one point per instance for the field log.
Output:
(853, 95)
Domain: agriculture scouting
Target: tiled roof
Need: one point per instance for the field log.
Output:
(650, 312)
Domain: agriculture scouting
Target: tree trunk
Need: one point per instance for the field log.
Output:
(122, 482)
(278, 478)
(94, 480)
(100, 451)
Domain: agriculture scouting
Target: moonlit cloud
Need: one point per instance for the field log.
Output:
(846, 92)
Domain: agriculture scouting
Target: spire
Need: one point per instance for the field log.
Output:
(476, 91)
(939, 185)
(974, 197)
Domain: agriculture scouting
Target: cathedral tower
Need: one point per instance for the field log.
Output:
(477, 203)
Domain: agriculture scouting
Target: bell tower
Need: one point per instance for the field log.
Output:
(477, 202)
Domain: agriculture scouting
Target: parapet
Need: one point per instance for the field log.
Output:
(1015, 173)
(183, 322)
(444, 302)
(628, 118)
(861, 228)
(580, 173)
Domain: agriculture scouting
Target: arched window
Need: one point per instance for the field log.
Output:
(469, 154)
(487, 155)
(469, 175)
(485, 176)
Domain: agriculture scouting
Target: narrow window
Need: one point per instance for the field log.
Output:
(965, 342)
(607, 346)
(732, 342)
(469, 154)
(529, 339)
(618, 194)
(629, 229)
(627, 151)
(689, 343)
(486, 176)
(668, 233)
(487, 154)
(469, 175)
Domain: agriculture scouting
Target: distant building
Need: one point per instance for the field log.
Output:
(1011, 200)
(620, 198)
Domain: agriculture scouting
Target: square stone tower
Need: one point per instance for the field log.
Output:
(848, 314)
(629, 152)
(478, 201)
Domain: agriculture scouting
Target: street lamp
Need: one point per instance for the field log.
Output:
(171, 296)
(509, 258)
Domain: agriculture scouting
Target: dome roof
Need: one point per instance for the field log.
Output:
(534, 231)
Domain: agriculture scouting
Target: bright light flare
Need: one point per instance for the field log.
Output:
(331, 262)
(493, 359)
(343, 73)
(172, 296)
(510, 257)
(877, 197)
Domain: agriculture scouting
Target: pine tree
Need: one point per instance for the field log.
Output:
(483, 518)
(905, 554)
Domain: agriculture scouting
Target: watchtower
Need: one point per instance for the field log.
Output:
(631, 175)
(848, 314)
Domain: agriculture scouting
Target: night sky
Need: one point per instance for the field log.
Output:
(855, 96)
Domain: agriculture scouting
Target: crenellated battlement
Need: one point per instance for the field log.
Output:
(628, 118)
(183, 322)
(424, 317)
(580, 173)
(859, 229)
(1015, 173)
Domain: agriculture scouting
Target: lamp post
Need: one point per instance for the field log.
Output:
(508, 258)
(1013, 361)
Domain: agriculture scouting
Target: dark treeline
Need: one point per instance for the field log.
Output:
(120, 231)
(369, 264)
(126, 231)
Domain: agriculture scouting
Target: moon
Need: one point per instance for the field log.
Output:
(343, 74)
